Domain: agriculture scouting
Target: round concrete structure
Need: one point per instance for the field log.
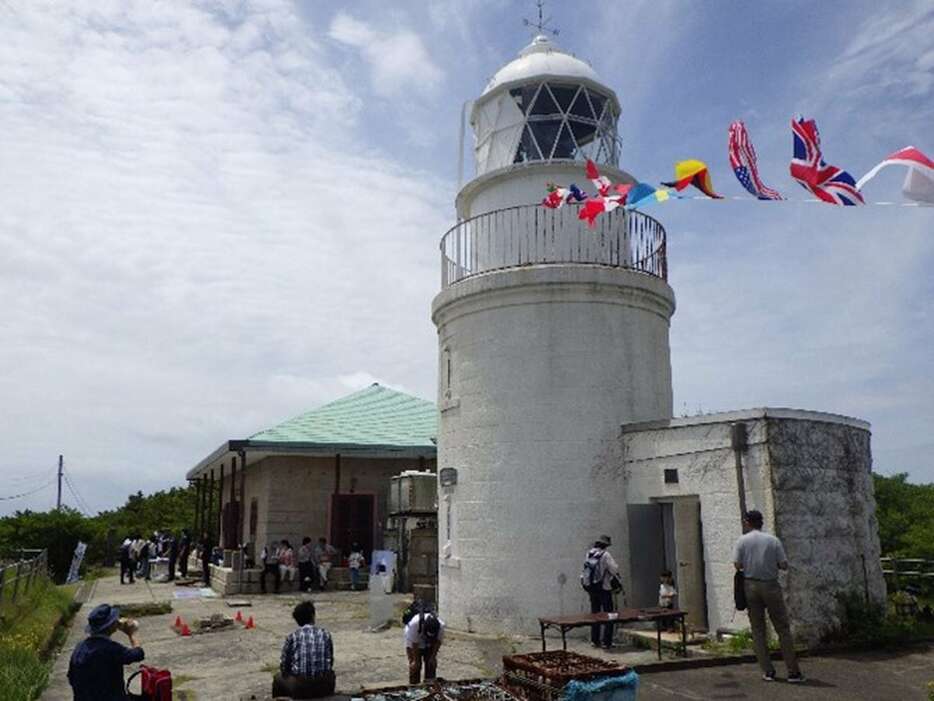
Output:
(539, 367)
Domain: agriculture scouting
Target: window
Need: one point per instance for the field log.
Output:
(671, 476)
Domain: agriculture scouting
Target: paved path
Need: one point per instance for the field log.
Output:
(872, 676)
(235, 662)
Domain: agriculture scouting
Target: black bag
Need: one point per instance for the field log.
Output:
(739, 591)
(616, 585)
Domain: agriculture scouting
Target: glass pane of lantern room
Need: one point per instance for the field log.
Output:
(564, 146)
(544, 103)
(599, 102)
(545, 134)
(564, 94)
(581, 106)
(527, 150)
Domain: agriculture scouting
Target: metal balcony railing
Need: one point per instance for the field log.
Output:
(535, 235)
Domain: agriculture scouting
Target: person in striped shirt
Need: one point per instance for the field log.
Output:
(306, 668)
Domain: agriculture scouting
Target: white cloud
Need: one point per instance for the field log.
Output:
(398, 61)
(187, 219)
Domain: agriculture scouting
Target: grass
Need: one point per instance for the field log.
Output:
(30, 630)
(739, 644)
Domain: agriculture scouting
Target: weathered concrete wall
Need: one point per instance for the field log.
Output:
(809, 474)
(699, 448)
(299, 490)
(825, 514)
(546, 362)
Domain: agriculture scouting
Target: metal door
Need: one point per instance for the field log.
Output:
(689, 548)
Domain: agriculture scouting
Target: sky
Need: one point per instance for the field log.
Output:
(217, 215)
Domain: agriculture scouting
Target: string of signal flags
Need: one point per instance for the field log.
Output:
(827, 183)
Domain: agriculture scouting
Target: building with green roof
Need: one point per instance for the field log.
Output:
(323, 473)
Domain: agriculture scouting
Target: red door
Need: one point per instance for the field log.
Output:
(352, 522)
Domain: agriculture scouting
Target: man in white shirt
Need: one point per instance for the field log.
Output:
(759, 556)
(423, 636)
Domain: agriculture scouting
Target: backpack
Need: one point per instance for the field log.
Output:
(412, 610)
(156, 684)
(592, 573)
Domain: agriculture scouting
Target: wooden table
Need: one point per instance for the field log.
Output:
(622, 617)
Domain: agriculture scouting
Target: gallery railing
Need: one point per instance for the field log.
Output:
(535, 235)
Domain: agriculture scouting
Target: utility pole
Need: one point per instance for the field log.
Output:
(58, 503)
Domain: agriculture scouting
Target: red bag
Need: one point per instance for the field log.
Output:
(156, 684)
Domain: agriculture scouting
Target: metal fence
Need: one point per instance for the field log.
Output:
(536, 235)
(908, 569)
(19, 573)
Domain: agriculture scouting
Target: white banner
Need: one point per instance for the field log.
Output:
(76, 562)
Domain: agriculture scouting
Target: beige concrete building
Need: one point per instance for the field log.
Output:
(324, 473)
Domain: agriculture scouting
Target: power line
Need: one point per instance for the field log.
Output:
(26, 494)
(82, 504)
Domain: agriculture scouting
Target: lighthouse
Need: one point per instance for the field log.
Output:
(551, 335)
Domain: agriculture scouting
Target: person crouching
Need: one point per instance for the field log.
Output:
(307, 662)
(423, 636)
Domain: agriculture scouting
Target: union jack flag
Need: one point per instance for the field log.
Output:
(827, 183)
(744, 163)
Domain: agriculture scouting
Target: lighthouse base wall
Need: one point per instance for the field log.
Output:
(539, 366)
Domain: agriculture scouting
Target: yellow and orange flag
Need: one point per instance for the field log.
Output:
(694, 173)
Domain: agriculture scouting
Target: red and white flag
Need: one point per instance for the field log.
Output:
(919, 183)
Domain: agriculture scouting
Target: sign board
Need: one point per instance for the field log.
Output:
(448, 476)
(76, 562)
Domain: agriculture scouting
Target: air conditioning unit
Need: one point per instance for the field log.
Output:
(413, 491)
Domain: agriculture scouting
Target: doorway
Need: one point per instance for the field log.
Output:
(352, 522)
(668, 535)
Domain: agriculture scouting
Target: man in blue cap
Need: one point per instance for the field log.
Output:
(96, 668)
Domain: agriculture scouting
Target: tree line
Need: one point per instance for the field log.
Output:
(60, 530)
(905, 512)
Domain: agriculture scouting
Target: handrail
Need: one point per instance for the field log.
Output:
(26, 570)
(534, 235)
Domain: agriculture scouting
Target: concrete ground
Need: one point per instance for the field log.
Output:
(234, 663)
(869, 676)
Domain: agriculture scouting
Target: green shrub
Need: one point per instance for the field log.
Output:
(870, 625)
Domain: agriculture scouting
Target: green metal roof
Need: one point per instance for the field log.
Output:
(375, 416)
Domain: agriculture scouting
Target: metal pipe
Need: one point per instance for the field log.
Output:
(740, 442)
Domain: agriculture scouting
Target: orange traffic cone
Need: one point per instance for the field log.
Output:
(249, 623)
(178, 622)
(186, 631)
(239, 617)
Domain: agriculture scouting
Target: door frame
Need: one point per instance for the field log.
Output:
(374, 513)
(673, 500)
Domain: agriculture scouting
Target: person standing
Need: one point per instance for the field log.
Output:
(126, 566)
(146, 552)
(172, 546)
(423, 636)
(207, 549)
(95, 670)
(600, 572)
(184, 551)
(324, 554)
(270, 560)
(307, 567)
(306, 666)
(356, 562)
(759, 556)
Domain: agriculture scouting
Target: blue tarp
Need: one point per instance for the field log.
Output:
(622, 688)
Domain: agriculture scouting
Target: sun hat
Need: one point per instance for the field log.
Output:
(605, 539)
(101, 618)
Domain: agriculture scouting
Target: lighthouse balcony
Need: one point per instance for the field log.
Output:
(531, 235)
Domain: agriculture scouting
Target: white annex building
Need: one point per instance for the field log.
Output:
(555, 398)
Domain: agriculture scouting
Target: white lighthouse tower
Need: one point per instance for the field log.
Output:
(551, 335)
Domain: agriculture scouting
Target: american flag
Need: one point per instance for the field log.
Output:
(827, 183)
(743, 161)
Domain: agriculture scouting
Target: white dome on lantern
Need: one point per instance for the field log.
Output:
(541, 57)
